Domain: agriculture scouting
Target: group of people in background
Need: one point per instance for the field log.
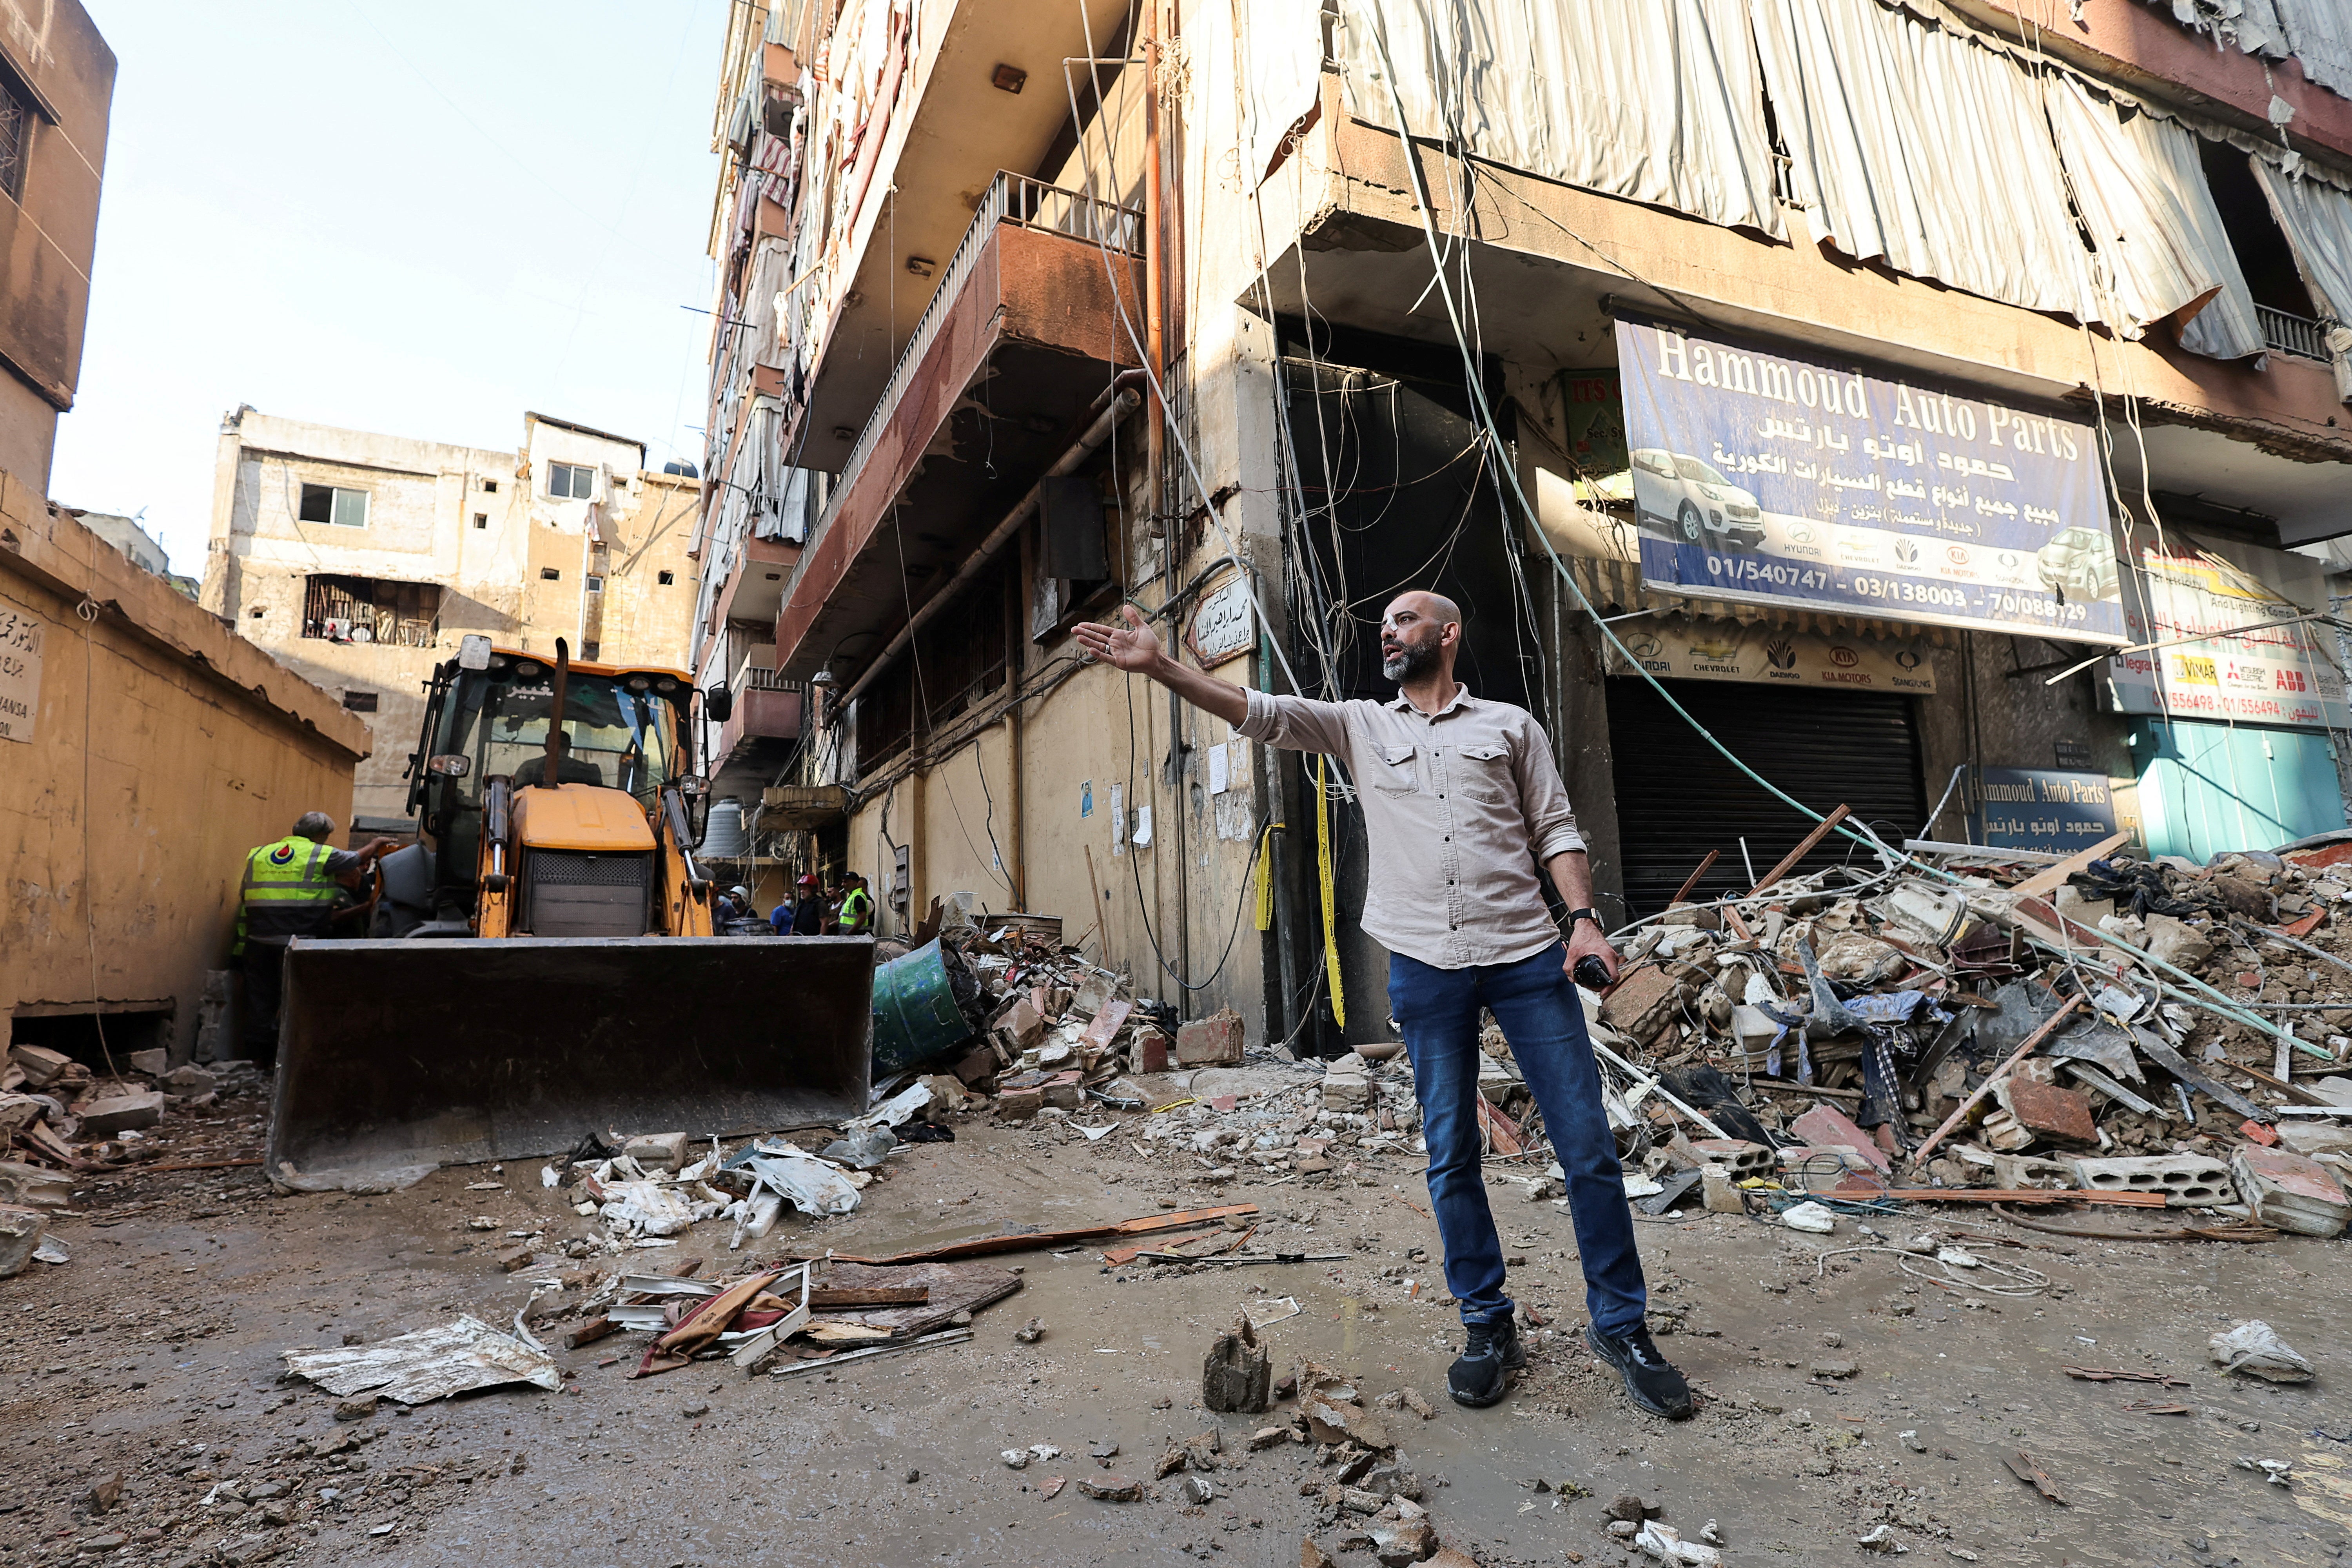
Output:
(847, 910)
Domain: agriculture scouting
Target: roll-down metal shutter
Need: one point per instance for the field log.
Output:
(1677, 797)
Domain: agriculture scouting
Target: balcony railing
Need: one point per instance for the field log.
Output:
(2292, 334)
(1012, 198)
(751, 677)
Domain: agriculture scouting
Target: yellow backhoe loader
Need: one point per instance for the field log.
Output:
(540, 965)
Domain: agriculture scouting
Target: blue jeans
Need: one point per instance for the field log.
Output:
(1536, 1003)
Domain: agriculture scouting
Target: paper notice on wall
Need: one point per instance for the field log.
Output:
(1117, 820)
(1143, 827)
(20, 670)
(1220, 777)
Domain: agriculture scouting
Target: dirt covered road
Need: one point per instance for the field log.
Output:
(1839, 1396)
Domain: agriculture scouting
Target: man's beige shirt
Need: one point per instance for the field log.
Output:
(1460, 805)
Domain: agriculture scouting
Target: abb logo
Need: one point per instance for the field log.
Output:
(2291, 680)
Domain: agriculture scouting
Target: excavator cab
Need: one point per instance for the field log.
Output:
(543, 964)
(590, 810)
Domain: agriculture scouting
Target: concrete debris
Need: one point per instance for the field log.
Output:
(1110, 1488)
(2253, 1347)
(2291, 1191)
(1238, 1372)
(21, 1230)
(429, 1364)
(1664, 1543)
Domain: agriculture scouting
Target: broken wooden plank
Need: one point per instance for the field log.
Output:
(1805, 845)
(1032, 1241)
(2026, 1469)
(827, 1297)
(1959, 1113)
(1692, 881)
(2050, 877)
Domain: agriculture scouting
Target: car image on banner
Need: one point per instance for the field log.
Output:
(1777, 476)
(1677, 496)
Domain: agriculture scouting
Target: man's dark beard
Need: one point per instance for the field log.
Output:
(1407, 663)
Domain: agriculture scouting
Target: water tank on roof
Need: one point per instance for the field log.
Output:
(723, 837)
(688, 470)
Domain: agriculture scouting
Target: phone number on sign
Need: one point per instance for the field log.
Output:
(1745, 570)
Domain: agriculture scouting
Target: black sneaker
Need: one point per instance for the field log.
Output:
(1650, 1377)
(1491, 1351)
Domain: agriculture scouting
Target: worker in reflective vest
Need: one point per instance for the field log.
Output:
(291, 889)
(856, 907)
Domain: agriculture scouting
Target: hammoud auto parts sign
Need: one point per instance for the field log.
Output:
(1784, 478)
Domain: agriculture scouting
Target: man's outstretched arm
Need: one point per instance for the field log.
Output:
(1135, 647)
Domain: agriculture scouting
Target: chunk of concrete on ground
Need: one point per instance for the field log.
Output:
(189, 1081)
(1346, 1092)
(151, 1063)
(1237, 1375)
(1213, 1041)
(123, 1113)
(2290, 1192)
(657, 1151)
(21, 1230)
(43, 1067)
(2177, 943)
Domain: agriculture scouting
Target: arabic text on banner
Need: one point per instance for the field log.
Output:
(1781, 478)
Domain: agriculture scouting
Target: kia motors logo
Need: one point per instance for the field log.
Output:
(1844, 657)
(1957, 554)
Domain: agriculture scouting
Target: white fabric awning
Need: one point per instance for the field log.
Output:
(2142, 193)
(1655, 101)
(2317, 221)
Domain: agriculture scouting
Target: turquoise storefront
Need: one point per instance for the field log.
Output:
(2205, 787)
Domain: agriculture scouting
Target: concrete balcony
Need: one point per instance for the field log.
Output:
(754, 588)
(1003, 370)
(767, 716)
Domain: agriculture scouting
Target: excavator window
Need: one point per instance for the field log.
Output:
(615, 735)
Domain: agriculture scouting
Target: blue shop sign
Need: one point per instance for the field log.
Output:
(1781, 478)
(2041, 808)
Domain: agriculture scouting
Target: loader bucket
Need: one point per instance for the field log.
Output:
(445, 1051)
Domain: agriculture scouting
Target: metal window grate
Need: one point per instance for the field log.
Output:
(2292, 334)
(15, 138)
(580, 868)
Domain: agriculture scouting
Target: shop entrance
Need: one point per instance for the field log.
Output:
(1678, 797)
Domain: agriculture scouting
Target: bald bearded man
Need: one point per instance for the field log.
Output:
(1461, 801)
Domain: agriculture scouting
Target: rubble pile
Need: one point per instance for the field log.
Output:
(2123, 1032)
(59, 1118)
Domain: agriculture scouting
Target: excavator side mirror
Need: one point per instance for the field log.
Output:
(718, 704)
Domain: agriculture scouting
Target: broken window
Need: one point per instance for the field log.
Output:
(666, 578)
(360, 701)
(16, 135)
(481, 520)
(490, 486)
(334, 504)
(372, 610)
(571, 481)
(551, 574)
(2282, 302)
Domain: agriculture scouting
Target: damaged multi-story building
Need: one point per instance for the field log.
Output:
(360, 559)
(1936, 409)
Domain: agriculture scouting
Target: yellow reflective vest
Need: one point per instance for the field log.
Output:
(287, 891)
(856, 912)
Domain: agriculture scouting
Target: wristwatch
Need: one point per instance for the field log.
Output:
(1576, 915)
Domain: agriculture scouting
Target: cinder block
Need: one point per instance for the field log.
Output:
(1151, 1051)
(1020, 1104)
(2187, 1181)
(1741, 1157)
(42, 1066)
(657, 1151)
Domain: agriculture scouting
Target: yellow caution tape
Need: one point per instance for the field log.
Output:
(1330, 897)
(1265, 878)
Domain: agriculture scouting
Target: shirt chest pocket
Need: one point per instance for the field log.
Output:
(1484, 772)
(1393, 772)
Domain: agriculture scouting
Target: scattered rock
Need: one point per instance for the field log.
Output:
(1111, 1489)
(359, 1407)
(1197, 1491)
(1237, 1373)
(1030, 1332)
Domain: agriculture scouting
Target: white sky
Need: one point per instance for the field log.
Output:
(419, 217)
